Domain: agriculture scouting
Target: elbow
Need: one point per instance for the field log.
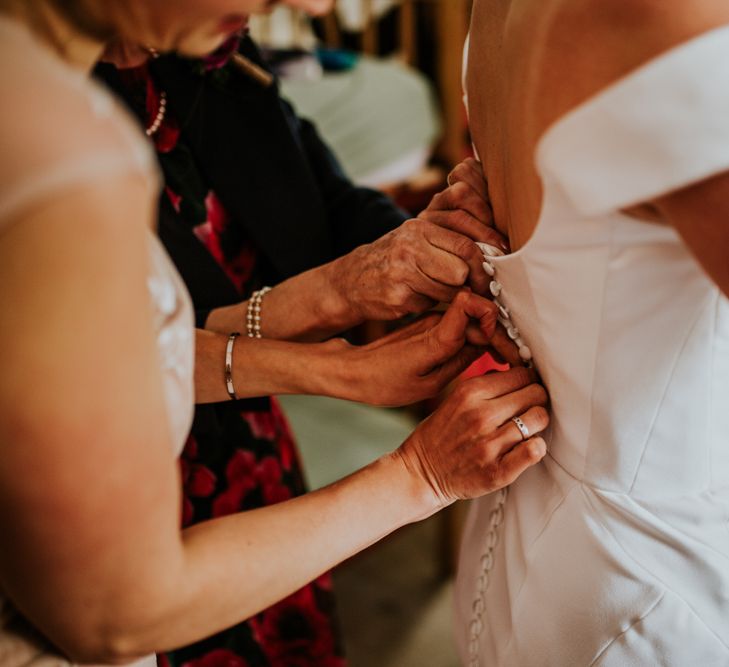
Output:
(114, 639)
(98, 648)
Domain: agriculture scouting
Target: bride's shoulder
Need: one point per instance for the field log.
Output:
(623, 34)
(598, 43)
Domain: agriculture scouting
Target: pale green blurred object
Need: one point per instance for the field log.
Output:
(380, 118)
(338, 437)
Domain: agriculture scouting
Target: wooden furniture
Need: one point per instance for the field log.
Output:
(446, 24)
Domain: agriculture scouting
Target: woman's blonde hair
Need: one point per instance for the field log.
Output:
(100, 20)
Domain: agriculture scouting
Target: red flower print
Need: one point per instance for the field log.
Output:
(295, 633)
(275, 493)
(241, 480)
(190, 451)
(324, 582)
(268, 473)
(241, 464)
(218, 658)
(285, 441)
(197, 480)
(274, 426)
(217, 216)
(262, 424)
(174, 198)
(201, 482)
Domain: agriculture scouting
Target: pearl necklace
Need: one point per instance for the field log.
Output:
(159, 118)
(162, 109)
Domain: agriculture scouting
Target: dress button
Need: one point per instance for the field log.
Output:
(512, 332)
(525, 353)
(503, 310)
(489, 268)
(495, 287)
(490, 250)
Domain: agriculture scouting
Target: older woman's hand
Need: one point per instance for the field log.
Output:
(470, 446)
(464, 206)
(420, 359)
(427, 259)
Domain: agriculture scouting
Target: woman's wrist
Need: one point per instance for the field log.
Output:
(415, 495)
(263, 367)
(308, 307)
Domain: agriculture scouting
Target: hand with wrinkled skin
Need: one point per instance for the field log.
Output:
(408, 271)
(469, 446)
(464, 206)
(468, 194)
(428, 258)
(425, 261)
(419, 360)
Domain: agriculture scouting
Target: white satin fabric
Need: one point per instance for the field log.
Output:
(615, 550)
(58, 131)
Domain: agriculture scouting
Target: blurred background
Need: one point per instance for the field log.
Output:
(381, 79)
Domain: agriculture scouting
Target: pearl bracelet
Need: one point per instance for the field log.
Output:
(253, 314)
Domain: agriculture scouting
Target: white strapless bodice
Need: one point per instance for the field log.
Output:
(615, 550)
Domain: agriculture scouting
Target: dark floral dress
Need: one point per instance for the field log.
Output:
(251, 459)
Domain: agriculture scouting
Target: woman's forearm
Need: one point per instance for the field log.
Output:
(241, 564)
(307, 307)
(263, 367)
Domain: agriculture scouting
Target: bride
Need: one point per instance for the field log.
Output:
(603, 129)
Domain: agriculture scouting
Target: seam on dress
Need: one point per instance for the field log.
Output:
(513, 603)
(597, 516)
(600, 491)
(628, 629)
(595, 352)
(712, 377)
(657, 411)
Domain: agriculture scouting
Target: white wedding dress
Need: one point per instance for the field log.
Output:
(59, 131)
(615, 550)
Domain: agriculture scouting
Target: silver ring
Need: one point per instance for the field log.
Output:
(522, 427)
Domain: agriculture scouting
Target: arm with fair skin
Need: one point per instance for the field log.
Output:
(105, 573)
(406, 366)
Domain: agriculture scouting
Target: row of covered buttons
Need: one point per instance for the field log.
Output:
(496, 289)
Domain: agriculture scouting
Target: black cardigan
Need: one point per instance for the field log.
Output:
(273, 174)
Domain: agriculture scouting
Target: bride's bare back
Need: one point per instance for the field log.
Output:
(532, 61)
